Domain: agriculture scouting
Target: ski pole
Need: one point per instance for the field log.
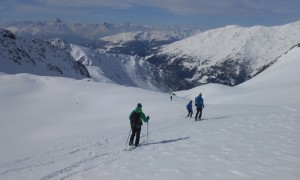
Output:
(127, 139)
(183, 115)
(147, 132)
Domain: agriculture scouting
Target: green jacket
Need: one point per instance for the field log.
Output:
(142, 115)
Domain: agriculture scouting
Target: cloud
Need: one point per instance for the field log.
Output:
(237, 7)
(211, 7)
(116, 4)
(184, 8)
(226, 7)
(175, 6)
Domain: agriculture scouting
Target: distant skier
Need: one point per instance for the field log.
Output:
(199, 103)
(136, 121)
(189, 107)
(171, 97)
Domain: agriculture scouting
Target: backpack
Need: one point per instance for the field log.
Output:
(135, 119)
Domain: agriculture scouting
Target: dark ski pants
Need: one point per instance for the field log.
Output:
(199, 112)
(135, 132)
(190, 113)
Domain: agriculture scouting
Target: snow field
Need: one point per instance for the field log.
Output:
(59, 128)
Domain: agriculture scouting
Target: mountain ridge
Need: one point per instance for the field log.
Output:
(228, 55)
(25, 55)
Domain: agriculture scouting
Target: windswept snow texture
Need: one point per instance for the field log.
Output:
(60, 128)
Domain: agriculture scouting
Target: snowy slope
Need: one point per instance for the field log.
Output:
(58, 58)
(25, 55)
(228, 55)
(278, 85)
(121, 69)
(59, 128)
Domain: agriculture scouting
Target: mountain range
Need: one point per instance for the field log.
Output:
(61, 128)
(78, 33)
(228, 55)
(139, 42)
(151, 58)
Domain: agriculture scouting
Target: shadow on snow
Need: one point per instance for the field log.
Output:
(221, 117)
(167, 141)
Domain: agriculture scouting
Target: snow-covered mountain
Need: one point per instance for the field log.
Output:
(228, 55)
(116, 68)
(121, 69)
(139, 42)
(60, 58)
(26, 55)
(73, 32)
(277, 85)
(126, 38)
(61, 128)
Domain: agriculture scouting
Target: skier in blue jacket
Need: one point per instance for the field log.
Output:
(199, 103)
(189, 107)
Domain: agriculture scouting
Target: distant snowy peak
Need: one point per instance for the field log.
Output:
(266, 43)
(228, 55)
(145, 36)
(60, 43)
(25, 55)
(73, 32)
(55, 26)
(59, 58)
(139, 43)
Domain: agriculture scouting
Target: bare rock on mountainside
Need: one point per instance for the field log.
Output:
(35, 56)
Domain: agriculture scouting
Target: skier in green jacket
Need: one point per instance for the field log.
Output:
(136, 121)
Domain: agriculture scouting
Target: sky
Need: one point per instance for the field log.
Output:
(201, 13)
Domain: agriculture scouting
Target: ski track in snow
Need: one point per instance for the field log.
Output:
(289, 108)
(73, 155)
(59, 155)
(238, 146)
(227, 144)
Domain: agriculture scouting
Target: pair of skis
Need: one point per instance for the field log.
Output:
(134, 147)
(131, 148)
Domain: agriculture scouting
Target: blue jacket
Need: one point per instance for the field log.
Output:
(189, 106)
(199, 102)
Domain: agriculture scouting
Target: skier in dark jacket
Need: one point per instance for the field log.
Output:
(189, 107)
(199, 103)
(136, 121)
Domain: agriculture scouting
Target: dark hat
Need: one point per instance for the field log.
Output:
(139, 105)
